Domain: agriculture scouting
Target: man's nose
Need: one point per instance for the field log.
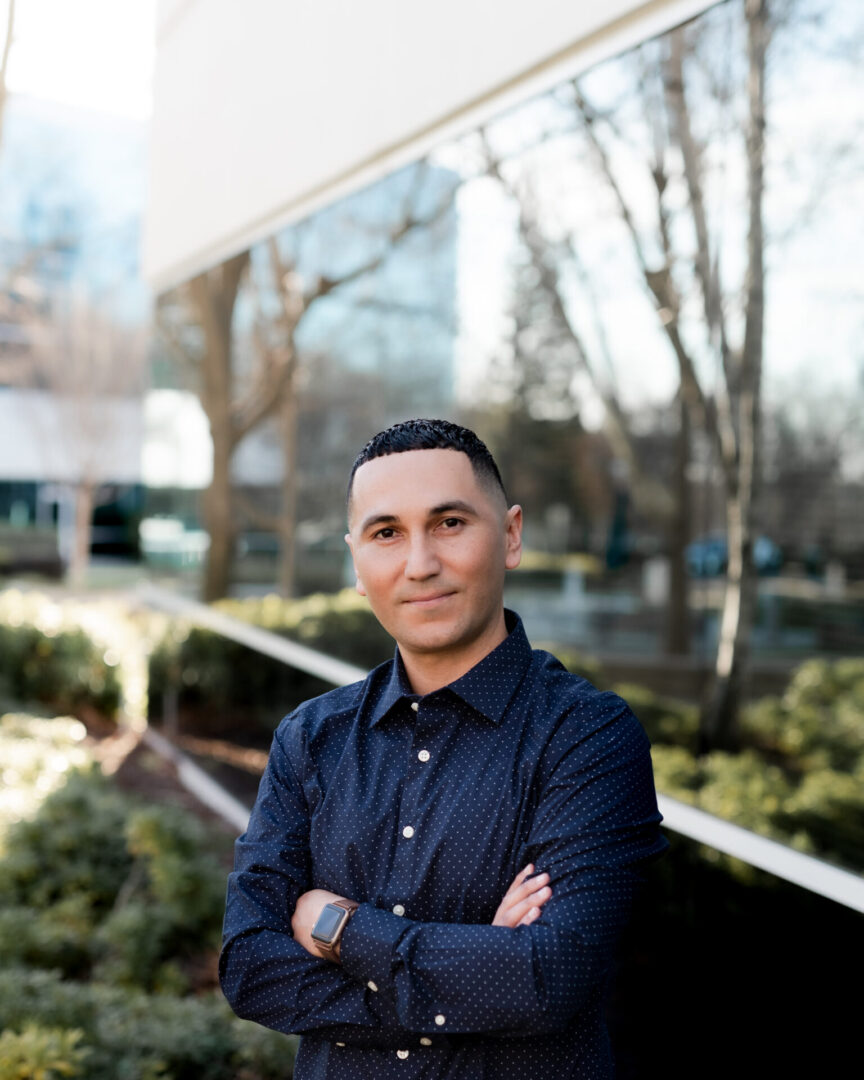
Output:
(422, 561)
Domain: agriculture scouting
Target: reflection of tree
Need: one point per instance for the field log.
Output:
(86, 375)
(238, 327)
(699, 310)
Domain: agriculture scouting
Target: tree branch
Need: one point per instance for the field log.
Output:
(537, 247)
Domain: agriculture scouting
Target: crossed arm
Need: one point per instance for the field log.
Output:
(520, 907)
(595, 823)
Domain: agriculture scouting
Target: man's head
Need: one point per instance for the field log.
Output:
(431, 537)
(432, 435)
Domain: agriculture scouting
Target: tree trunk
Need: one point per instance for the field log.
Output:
(213, 295)
(718, 729)
(718, 723)
(288, 520)
(678, 616)
(85, 496)
(218, 514)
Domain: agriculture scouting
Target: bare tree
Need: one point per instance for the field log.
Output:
(85, 379)
(238, 395)
(727, 414)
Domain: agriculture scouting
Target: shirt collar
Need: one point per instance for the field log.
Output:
(487, 687)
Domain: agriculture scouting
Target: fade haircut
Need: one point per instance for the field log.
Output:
(432, 435)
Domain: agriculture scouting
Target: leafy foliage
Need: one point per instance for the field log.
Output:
(38, 1053)
(64, 670)
(217, 679)
(801, 778)
(130, 1035)
(106, 907)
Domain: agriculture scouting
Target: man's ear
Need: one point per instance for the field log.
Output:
(513, 538)
(358, 584)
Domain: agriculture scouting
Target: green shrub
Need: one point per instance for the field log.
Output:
(57, 938)
(73, 847)
(38, 1053)
(221, 684)
(132, 891)
(65, 671)
(828, 809)
(676, 771)
(130, 1035)
(819, 720)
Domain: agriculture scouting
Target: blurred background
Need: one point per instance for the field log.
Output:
(623, 243)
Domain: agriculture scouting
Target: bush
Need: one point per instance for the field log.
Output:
(130, 1035)
(73, 847)
(43, 1053)
(819, 721)
(65, 671)
(222, 684)
(133, 892)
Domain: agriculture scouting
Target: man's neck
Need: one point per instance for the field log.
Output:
(429, 671)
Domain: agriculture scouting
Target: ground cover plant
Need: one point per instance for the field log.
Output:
(110, 913)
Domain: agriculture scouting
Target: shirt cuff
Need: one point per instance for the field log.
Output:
(369, 943)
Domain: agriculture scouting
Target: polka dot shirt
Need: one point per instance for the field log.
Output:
(424, 809)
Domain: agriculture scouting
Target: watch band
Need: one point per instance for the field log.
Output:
(329, 950)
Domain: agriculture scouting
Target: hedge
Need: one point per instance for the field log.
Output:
(221, 685)
(65, 671)
(110, 915)
(799, 777)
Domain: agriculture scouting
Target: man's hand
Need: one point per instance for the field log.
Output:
(309, 907)
(523, 900)
(520, 907)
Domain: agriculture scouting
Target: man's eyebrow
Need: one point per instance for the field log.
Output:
(457, 505)
(377, 519)
(454, 504)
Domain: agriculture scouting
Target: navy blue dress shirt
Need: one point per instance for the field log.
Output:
(424, 809)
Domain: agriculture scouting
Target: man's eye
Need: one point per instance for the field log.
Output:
(452, 522)
(385, 533)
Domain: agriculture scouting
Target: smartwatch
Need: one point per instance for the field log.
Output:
(327, 931)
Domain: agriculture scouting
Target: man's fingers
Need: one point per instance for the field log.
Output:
(526, 887)
(520, 877)
(529, 917)
(536, 900)
(514, 908)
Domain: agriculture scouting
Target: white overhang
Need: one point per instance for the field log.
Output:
(264, 111)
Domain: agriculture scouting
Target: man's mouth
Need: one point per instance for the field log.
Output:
(428, 600)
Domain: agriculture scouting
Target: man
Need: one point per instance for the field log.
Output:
(442, 856)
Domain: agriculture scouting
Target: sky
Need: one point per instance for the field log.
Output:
(93, 54)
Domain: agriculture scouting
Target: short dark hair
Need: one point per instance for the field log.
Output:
(431, 435)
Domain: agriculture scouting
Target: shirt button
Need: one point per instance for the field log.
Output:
(423, 755)
(415, 706)
(398, 909)
(425, 1042)
(440, 1018)
(402, 1054)
(408, 832)
(372, 986)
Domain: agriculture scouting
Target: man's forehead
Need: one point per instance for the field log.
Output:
(394, 483)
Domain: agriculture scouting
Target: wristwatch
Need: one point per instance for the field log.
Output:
(327, 931)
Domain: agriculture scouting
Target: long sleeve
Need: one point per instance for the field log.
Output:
(594, 825)
(265, 974)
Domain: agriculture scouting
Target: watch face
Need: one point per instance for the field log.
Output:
(328, 923)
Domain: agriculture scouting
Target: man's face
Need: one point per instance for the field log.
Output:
(430, 546)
